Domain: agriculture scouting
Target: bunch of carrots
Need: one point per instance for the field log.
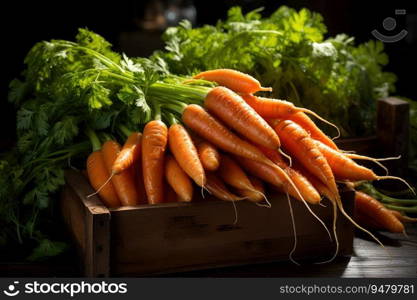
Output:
(230, 145)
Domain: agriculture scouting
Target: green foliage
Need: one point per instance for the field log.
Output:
(66, 88)
(288, 51)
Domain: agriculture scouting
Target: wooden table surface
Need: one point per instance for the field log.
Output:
(398, 259)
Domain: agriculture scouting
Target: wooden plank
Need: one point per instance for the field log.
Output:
(89, 222)
(202, 235)
(362, 145)
(393, 132)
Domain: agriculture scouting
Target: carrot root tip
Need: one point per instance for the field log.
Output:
(290, 255)
(265, 89)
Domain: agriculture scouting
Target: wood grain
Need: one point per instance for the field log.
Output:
(173, 237)
(89, 222)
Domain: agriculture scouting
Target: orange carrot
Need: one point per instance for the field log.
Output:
(234, 80)
(209, 156)
(305, 122)
(233, 175)
(281, 109)
(185, 153)
(401, 217)
(130, 153)
(216, 187)
(255, 195)
(154, 142)
(123, 183)
(375, 210)
(199, 120)
(299, 144)
(345, 168)
(307, 190)
(178, 179)
(98, 174)
(271, 174)
(236, 113)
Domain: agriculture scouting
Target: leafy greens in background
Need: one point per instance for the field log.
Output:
(68, 87)
(287, 51)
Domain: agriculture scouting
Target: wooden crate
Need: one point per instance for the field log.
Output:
(175, 237)
(392, 136)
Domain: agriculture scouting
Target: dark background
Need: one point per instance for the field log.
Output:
(121, 22)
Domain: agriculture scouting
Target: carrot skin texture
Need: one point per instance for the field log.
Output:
(308, 125)
(232, 79)
(185, 153)
(236, 113)
(299, 144)
(130, 153)
(270, 108)
(255, 195)
(154, 143)
(217, 188)
(200, 121)
(402, 218)
(98, 174)
(178, 180)
(307, 190)
(271, 174)
(343, 167)
(123, 183)
(373, 209)
(233, 175)
(209, 156)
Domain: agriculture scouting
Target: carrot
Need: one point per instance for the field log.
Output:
(303, 148)
(216, 187)
(305, 122)
(234, 80)
(123, 183)
(98, 174)
(345, 168)
(209, 156)
(236, 113)
(374, 160)
(185, 153)
(271, 174)
(300, 145)
(154, 142)
(375, 210)
(318, 185)
(130, 153)
(281, 109)
(233, 175)
(307, 190)
(178, 180)
(401, 217)
(199, 120)
(257, 194)
(277, 177)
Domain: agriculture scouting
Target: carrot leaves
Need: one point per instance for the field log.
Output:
(289, 51)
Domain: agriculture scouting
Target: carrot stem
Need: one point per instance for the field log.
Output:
(95, 142)
(125, 131)
(412, 209)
